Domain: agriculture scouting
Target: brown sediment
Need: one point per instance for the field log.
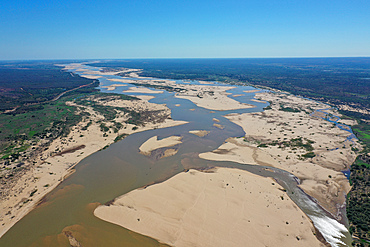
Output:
(200, 133)
(72, 240)
(163, 153)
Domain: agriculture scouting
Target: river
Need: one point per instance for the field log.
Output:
(120, 168)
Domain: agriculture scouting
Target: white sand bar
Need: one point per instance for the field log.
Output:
(218, 102)
(153, 143)
(229, 207)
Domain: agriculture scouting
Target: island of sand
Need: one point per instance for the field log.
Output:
(227, 207)
(153, 144)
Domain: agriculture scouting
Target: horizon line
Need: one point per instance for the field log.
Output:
(154, 58)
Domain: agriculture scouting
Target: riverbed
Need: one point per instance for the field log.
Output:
(120, 168)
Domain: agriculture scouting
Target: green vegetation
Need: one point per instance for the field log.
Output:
(26, 85)
(309, 155)
(362, 131)
(49, 121)
(294, 144)
(110, 112)
(103, 128)
(358, 209)
(86, 126)
(167, 88)
(117, 126)
(120, 137)
(288, 109)
(33, 192)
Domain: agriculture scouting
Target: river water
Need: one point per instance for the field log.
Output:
(120, 168)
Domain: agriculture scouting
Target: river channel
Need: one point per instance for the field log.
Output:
(120, 168)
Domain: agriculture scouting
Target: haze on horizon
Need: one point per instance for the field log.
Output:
(183, 29)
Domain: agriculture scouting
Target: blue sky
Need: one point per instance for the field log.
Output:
(183, 29)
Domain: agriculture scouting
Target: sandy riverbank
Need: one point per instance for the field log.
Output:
(185, 211)
(63, 153)
(288, 139)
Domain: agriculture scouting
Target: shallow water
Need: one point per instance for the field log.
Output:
(119, 169)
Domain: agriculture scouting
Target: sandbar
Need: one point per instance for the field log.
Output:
(216, 100)
(200, 133)
(153, 143)
(218, 126)
(227, 207)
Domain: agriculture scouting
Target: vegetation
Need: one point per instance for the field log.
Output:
(288, 109)
(27, 84)
(294, 144)
(358, 209)
(120, 137)
(309, 155)
(49, 121)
